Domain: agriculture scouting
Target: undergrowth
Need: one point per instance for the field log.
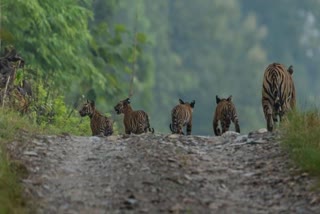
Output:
(301, 138)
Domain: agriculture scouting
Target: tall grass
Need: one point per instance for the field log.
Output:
(11, 200)
(11, 123)
(301, 137)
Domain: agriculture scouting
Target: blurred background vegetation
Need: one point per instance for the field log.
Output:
(187, 49)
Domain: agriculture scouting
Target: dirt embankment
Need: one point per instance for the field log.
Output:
(163, 174)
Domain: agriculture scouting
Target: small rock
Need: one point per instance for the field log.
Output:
(30, 153)
(241, 138)
(37, 143)
(173, 136)
(113, 138)
(130, 202)
(176, 208)
(260, 140)
(314, 200)
(92, 159)
(189, 201)
(213, 206)
(249, 174)
(94, 139)
(262, 130)
(187, 177)
(230, 134)
(171, 160)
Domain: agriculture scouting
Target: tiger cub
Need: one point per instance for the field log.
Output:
(225, 113)
(136, 122)
(100, 124)
(278, 93)
(181, 115)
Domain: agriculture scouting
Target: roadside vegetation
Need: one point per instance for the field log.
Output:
(302, 139)
(12, 126)
(11, 123)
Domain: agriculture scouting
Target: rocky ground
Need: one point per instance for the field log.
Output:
(164, 174)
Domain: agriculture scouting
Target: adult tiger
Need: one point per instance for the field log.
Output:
(278, 93)
(181, 116)
(100, 124)
(225, 113)
(136, 122)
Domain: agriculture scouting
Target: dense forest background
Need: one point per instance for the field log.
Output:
(193, 50)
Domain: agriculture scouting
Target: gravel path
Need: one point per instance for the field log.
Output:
(164, 174)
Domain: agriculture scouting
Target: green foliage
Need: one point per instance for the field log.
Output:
(11, 123)
(55, 39)
(54, 118)
(301, 134)
(52, 36)
(51, 113)
(120, 50)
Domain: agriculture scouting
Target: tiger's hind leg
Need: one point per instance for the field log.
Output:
(216, 129)
(224, 126)
(268, 114)
(228, 122)
(270, 122)
(189, 128)
(180, 129)
(149, 129)
(236, 125)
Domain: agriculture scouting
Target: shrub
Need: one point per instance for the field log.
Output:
(301, 137)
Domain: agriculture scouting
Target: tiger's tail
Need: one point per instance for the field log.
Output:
(151, 130)
(171, 129)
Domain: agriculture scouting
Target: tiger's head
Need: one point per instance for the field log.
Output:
(122, 105)
(218, 99)
(224, 102)
(191, 105)
(87, 108)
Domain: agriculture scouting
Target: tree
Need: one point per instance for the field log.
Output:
(52, 36)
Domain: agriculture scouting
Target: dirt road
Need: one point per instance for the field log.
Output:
(164, 174)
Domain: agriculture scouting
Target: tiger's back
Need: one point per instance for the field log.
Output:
(278, 93)
(225, 113)
(181, 115)
(136, 122)
(100, 125)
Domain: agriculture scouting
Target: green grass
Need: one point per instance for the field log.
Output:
(11, 200)
(301, 138)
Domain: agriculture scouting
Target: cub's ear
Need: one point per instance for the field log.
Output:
(290, 69)
(192, 103)
(217, 99)
(229, 98)
(127, 100)
(181, 101)
(92, 102)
